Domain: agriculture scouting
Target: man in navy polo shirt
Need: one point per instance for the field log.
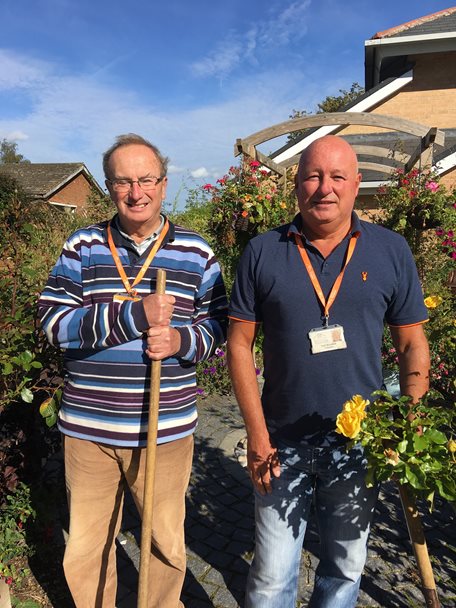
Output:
(322, 288)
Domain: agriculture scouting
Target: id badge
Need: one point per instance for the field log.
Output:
(323, 339)
(122, 297)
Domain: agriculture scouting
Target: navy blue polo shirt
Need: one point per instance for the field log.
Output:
(304, 392)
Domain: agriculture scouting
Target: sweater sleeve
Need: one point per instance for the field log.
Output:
(69, 323)
(200, 339)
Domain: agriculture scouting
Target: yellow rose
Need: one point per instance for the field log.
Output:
(433, 301)
(452, 446)
(348, 422)
(356, 403)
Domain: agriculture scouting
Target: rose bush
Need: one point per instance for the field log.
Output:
(418, 451)
(244, 202)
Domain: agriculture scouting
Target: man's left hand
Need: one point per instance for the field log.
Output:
(162, 341)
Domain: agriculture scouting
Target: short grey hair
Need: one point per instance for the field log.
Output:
(129, 139)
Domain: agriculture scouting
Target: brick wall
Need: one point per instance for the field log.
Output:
(73, 193)
(429, 99)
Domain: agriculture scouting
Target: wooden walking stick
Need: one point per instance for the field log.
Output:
(416, 534)
(151, 449)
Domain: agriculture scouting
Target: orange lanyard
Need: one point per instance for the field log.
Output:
(326, 303)
(129, 288)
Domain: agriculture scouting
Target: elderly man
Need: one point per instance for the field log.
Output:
(99, 306)
(321, 287)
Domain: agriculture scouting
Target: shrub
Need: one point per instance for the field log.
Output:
(245, 202)
(14, 515)
(421, 209)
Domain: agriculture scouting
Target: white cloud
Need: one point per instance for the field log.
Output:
(225, 58)
(282, 26)
(72, 119)
(175, 170)
(16, 136)
(201, 172)
(18, 71)
(287, 24)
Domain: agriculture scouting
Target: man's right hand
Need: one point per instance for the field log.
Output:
(263, 464)
(159, 309)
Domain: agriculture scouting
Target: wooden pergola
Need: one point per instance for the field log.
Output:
(422, 155)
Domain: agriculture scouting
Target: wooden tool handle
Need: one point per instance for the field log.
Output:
(151, 449)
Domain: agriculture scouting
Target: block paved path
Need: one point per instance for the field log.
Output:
(219, 533)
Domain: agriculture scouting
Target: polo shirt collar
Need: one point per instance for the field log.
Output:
(296, 226)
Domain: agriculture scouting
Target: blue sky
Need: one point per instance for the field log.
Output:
(190, 76)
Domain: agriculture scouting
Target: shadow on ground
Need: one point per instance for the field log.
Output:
(219, 535)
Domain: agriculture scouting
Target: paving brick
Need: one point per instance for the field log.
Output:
(220, 536)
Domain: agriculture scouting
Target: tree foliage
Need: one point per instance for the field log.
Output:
(331, 103)
(9, 153)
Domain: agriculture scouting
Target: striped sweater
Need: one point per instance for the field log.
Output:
(107, 378)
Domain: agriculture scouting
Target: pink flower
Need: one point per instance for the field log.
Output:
(450, 233)
(432, 186)
(221, 181)
(254, 164)
(453, 255)
(207, 187)
(440, 232)
(412, 193)
(454, 205)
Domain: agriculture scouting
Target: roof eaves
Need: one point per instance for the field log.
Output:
(67, 179)
(411, 24)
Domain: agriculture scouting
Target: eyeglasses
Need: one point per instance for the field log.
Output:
(145, 183)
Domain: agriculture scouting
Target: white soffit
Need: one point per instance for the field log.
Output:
(362, 106)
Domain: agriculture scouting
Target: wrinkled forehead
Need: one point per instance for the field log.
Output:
(134, 156)
(329, 156)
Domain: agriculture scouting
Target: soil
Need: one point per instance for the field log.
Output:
(45, 585)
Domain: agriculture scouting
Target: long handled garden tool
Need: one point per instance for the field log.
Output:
(416, 534)
(151, 449)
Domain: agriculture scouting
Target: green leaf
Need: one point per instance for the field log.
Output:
(7, 368)
(402, 446)
(445, 492)
(412, 478)
(420, 442)
(51, 420)
(26, 395)
(436, 436)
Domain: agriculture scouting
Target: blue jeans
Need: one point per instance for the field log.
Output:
(344, 508)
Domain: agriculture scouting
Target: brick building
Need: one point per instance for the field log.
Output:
(410, 75)
(64, 185)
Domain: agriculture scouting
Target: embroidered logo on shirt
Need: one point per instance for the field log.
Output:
(364, 276)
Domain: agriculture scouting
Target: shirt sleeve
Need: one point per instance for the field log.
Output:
(69, 324)
(407, 304)
(244, 304)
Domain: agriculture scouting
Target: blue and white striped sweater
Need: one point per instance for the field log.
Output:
(106, 391)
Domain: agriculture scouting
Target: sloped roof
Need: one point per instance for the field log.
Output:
(41, 180)
(436, 23)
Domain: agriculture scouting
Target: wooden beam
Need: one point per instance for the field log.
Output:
(340, 119)
(377, 167)
(379, 151)
(270, 164)
(425, 143)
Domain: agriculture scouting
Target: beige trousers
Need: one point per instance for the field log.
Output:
(95, 478)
